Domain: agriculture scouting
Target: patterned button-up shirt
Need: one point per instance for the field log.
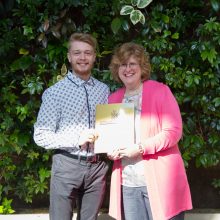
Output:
(68, 107)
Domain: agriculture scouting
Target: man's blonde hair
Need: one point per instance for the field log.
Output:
(87, 38)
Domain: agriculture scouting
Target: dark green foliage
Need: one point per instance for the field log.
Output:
(181, 37)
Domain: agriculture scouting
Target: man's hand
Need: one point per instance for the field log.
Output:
(87, 136)
(114, 155)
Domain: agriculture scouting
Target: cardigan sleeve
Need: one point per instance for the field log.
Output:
(169, 130)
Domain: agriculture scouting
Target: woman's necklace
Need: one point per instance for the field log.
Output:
(134, 92)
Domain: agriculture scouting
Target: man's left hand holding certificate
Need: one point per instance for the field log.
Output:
(115, 126)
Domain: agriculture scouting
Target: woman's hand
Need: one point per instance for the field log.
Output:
(129, 152)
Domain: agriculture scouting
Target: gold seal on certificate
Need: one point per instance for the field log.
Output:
(115, 126)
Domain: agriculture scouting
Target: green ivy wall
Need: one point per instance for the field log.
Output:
(183, 40)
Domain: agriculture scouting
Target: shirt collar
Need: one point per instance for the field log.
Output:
(78, 81)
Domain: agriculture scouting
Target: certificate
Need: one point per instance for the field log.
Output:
(115, 126)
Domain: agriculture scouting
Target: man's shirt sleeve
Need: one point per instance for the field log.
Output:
(46, 128)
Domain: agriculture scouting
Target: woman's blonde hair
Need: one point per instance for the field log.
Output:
(123, 53)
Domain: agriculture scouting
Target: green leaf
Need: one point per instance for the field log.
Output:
(125, 25)
(22, 63)
(23, 51)
(197, 79)
(126, 10)
(142, 19)
(106, 52)
(166, 33)
(215, 5)
(33, 155)
(175, 36)
(212, 25)
(217, 101)
(134, 2)
(209, 54)
(5, 208)
(1, 209)
(115, 25)
(63, 70)
(186, 156)
(165, 18)
(143, 3)
(27, 30)
(43, 174)
(216, 183)
(156, 26)
(135, 16)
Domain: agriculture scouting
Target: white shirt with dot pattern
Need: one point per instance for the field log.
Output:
(68, 107)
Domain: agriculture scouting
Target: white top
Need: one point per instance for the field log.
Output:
(133, 169)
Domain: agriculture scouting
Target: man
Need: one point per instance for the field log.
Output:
(65, 123)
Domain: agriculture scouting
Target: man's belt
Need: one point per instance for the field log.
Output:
(89, 159)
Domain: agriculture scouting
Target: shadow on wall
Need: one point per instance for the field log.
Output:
(204, 195)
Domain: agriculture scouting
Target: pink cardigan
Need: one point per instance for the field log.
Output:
(161, 129)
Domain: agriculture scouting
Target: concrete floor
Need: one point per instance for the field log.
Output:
(189, 216)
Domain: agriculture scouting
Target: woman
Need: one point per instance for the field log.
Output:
(149, 179)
